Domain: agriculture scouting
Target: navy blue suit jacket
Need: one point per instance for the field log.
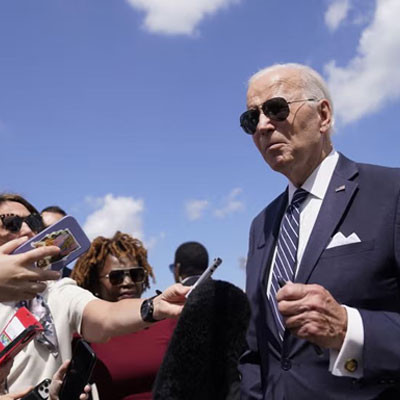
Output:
(364, 275)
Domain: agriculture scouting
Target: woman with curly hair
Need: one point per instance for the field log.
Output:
(115, 269)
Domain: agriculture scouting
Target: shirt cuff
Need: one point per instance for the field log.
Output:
(348, 361)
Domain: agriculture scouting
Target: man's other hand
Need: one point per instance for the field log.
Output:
(311, 313)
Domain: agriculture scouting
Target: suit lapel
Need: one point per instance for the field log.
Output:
(337, 198)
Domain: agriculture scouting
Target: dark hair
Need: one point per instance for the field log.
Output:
(18, 199)
(54, 209)
(87, 269)
(192, 258)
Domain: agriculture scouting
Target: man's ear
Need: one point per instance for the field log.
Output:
(176, 272)
(325, 114)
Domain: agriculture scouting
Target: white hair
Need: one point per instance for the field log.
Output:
(310, 81)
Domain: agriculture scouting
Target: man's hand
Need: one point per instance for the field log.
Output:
(19, 278)
(170, 302)
(311, 313)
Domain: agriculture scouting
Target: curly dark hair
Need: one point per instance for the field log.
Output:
(121, 245)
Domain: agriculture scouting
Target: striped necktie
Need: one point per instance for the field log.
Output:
(286, 253)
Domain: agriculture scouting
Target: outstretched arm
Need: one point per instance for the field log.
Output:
(102, 319)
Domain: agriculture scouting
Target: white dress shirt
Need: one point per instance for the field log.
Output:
(317, 184)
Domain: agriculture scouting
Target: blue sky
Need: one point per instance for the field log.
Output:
(125, 112)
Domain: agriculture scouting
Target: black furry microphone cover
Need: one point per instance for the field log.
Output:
(201, 360)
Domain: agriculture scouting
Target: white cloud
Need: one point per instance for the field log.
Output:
(231, 204)
(372, 77)
(177, 17)
(195, 208)
(336, 13)
(114, 213)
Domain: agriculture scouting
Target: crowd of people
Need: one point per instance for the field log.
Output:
(322, 281)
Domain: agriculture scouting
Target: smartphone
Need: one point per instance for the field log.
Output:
(206, 274)
(65, 234)
(19, 331)
(79, 371)
(39, 392)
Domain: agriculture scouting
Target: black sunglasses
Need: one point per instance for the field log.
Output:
(276, 109)
(13, 222)
(117, 276)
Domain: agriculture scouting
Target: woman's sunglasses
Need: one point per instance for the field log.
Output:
(117, 276)
(13, 222)
(276, 109)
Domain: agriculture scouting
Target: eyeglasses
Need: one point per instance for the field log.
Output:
(117, 276)
(13, 222)
(276, 109)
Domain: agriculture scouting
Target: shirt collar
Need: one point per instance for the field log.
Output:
(317, 183)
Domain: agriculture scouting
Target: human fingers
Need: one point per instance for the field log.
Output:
(175, 293)
(323, 323)
(10, 246)
(59, 374)
(299, 298)
(34, 255)
(85, 394)
(294, 291)
(57, 379)
(17, 395)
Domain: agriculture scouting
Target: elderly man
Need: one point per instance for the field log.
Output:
(323, 268)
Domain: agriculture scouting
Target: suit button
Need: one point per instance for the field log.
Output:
(286, 364)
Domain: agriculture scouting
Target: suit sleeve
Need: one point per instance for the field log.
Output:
(381, 355)
(249, 363)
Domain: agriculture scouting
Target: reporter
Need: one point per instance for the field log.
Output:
(68, 309)
(19, 278)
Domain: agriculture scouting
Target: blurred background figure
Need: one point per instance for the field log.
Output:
(115, 269)
(191, 260)
(52, 214)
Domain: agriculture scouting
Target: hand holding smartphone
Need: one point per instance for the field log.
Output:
(39, 392)
(67, 235)
(79, 371)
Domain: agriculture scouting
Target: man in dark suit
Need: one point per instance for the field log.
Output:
(323, 267)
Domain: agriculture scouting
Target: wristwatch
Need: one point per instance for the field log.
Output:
(147, 309)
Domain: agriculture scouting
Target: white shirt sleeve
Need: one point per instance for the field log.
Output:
(351, 350)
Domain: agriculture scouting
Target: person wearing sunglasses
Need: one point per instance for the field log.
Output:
(116, 269)
(323, 267)
(19, 277)
(66, 309)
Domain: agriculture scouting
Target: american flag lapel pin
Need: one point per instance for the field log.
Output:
(340, 188)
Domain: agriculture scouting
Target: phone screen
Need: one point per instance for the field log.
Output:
(79, 372)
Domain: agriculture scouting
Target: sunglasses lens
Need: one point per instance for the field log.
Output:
(137, 275)
(12, 223)
(276, 109)
(116, 277)
(249, 121)
(35, 222)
